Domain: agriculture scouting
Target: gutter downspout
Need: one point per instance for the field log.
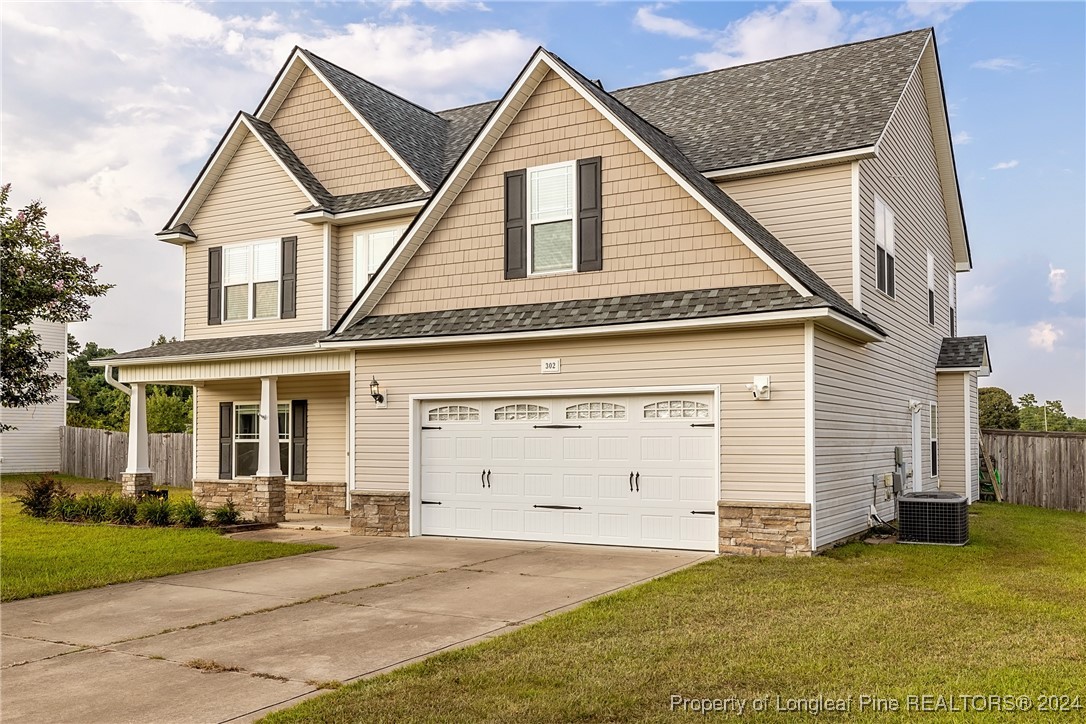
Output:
(114, 383)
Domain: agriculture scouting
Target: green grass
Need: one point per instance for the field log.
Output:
(1004, 615)
(41, 557)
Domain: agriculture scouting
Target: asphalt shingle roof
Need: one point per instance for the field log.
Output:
(371, 199)
(220, 345)
(290, 160)
(963, 352)
(660, 307)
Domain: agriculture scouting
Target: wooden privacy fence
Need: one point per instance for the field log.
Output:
(91, 453)
(1046, 469)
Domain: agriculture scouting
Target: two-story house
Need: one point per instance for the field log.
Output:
(713, 312)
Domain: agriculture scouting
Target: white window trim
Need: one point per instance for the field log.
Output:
(361, 242)
(888, 245)
(250, 302)
(572, 166)
(235, 440)
(934, 462)
(952, 301)
(931, 289)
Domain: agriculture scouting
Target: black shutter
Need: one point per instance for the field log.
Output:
(298, 435)
(589, 214)
(214, 285)
(226, 440)
(288, 300)
(516, 224)
(931, 306)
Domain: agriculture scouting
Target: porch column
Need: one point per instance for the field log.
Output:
(136, 478)
(269, 483)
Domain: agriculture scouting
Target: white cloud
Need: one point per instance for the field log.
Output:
(999, 64)
(1057, 285)
(961, 138)
(1044, 335)
(775, 31)
(933, 12)
(649, 20)
(1004, 165)
(109, 127)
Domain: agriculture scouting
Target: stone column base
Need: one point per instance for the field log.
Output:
(380, 513)
(270, 499)
(134, 485)
(765, 529)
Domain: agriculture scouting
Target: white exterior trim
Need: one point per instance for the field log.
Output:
(809, 426)
(518, 95)
(857, 256)
(175, 237)
(349, 217)
(792, 164)
(415, 401)
(969, 452)
(326, 278)
(351, 442)
(211, 356)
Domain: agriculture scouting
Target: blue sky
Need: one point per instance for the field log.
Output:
(109, 110)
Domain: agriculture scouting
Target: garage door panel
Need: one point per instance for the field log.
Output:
(579, 525)
(507, 520)
(469, 448)
(546, 523)
(696, 448)
(502, 485)
(542, 485)
(658, 489)
(696, 529)
(507, 447)
(435, 447)
(613, 449)
(580, 448)
(694, 489)
(469, 483)
(578, 487)
(471, 519)
(438, 519)
(661, 529)
(540, 448)
(658, 448)
(615, 488)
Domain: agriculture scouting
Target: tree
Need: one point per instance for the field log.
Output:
(997, 409)
(1049, 417)
(40, 281)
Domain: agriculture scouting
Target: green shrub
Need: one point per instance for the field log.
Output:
(38, 495)
(226, 514)
(122, 510)
(66, 508)
(189, 513)
(153, 511)
(94, 508)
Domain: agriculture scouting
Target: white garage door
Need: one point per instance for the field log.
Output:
(617, 470)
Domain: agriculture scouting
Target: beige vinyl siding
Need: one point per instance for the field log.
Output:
(862, 393)
(34, 444)
(952, 443)
(343, 253)
(762, 450)
(246, 367)
(656, 237)
(327, 420)
(810, 211)
(332, 142)
(254, 200)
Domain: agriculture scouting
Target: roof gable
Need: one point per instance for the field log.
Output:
(647, 138)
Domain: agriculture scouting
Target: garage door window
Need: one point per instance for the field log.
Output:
(596, 411)
(522, 412)
(677, 409)
(454, 413)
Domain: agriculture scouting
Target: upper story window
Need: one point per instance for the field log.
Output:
(250, 281)
(551, 238)
(370, 249)
(952, 301)
(884, 247)
(931, 288)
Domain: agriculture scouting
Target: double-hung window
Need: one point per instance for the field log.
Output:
(370, 249)
(933, 436)
(247, 438)
(931, 288)
(250, 279)
(952, 300)
(884, 247)
(551, 236)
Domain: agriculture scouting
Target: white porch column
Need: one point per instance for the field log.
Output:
(267, 461)
(138, 461)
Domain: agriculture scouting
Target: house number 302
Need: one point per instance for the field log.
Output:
(550, 366)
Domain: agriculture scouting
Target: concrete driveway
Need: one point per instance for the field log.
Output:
(119, 654)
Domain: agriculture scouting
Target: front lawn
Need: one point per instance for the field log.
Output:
(1005, 615)
(40, 557)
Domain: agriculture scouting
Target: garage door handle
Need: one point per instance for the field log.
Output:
(637, 482)
(431, 502)
(703, 424)
(631, 482)
(556, 427)
(488, 479)
(559, 507)
(482, 478)
(701, 512)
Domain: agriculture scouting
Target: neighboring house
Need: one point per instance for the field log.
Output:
(34, 444)
(700, 313)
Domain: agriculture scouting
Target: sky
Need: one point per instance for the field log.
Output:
(110, 110)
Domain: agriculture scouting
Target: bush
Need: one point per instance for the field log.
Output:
(94, 508)
(37, 498)
(66, 508)
(189, 513)
(122, 510)
(226, 514)
(153, 511)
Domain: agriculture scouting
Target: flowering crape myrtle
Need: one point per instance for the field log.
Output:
(38, 280)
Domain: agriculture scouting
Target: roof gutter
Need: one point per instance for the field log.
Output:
(321, 216)
(792, 164)
(211, 356)
(113, 382)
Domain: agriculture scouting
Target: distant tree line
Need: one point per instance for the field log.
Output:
(999, 412)
(169, 407)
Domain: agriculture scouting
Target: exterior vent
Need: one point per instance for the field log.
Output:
(941, 518)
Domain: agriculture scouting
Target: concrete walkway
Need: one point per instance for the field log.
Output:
(124, 653)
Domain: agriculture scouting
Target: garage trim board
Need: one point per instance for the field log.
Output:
(570, 493)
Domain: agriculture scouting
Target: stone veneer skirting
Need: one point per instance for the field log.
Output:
(765, 529)
(380, 513)
(301, 498)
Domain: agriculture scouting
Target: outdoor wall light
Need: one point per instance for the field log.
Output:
(375, 391)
